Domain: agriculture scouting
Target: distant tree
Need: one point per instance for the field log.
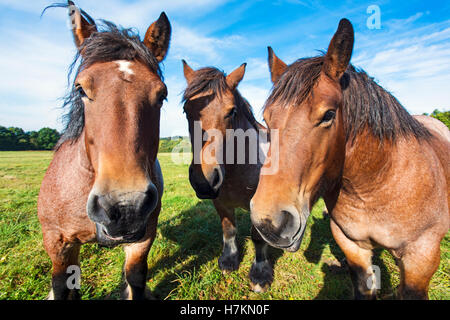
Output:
(33, 136)
(443, 116)
(22, 141)
(14, 138)
(8, 140)
(47, 138)
(168, 144)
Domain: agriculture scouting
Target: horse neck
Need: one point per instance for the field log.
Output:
(367, 160)
(79, 159)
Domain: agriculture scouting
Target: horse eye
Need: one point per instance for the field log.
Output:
(328, 116)
(232, 113)
(161, 99)
(80, 91)
(162, 95)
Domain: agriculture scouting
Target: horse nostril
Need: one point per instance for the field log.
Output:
(286, 221)
(289, 226)
(111, 211)
(101, 210)
(280, 230)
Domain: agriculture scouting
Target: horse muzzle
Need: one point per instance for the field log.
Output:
(121, 217)
(206, 188)
(283, 230)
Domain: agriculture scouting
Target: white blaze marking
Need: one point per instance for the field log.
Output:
(124, 66)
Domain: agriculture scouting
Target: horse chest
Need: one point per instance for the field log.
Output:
(352, 219)
(367, 224)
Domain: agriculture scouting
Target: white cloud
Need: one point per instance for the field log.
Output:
(257, 69)
(408, 58)
(34, 70)
(173, 121)
(199, 49)
(35, 66)
(31, 116)
(415, 67)
(136, 13)
(36, 60)
(26, 6)
(402, 23)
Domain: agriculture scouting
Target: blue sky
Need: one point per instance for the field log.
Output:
(409, 55)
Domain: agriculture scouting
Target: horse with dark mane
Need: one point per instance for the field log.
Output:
(222, 168)
(104, 183)
(384, 174)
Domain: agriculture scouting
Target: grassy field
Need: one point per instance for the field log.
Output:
(183, 259)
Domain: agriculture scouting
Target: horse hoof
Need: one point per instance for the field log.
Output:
(229, 263)
(50, 296)
(258, 288)
(137, 294)
(261, 276)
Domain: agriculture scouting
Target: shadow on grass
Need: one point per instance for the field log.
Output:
(198, 233)
(337, 282)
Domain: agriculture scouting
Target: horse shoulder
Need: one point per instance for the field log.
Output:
(64, 192)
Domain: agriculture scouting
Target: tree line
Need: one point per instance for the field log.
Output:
(168, 144)
(14, 138)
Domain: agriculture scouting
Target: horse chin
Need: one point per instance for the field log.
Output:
(295, 245)
(292, 247)
(104, 239)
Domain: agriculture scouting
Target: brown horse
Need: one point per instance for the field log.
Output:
(383, 174)
(104, 183)
(212, 100)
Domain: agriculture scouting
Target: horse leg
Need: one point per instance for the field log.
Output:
(418, 263)
(136, 268)
(63, 255)
(360, 264)
(261, 272)
(229, 260)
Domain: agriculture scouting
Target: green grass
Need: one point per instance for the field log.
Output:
(183, 259)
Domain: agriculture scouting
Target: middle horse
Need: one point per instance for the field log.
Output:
(214, 107)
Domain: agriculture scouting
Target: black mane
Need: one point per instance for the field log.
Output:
(108, 44)
(366, 104)
(213, 80)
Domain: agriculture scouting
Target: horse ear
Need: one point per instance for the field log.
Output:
(339, 50)
(236, 76)
(82, 24)
(188, 72)
(276, 66)
(157, 37)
